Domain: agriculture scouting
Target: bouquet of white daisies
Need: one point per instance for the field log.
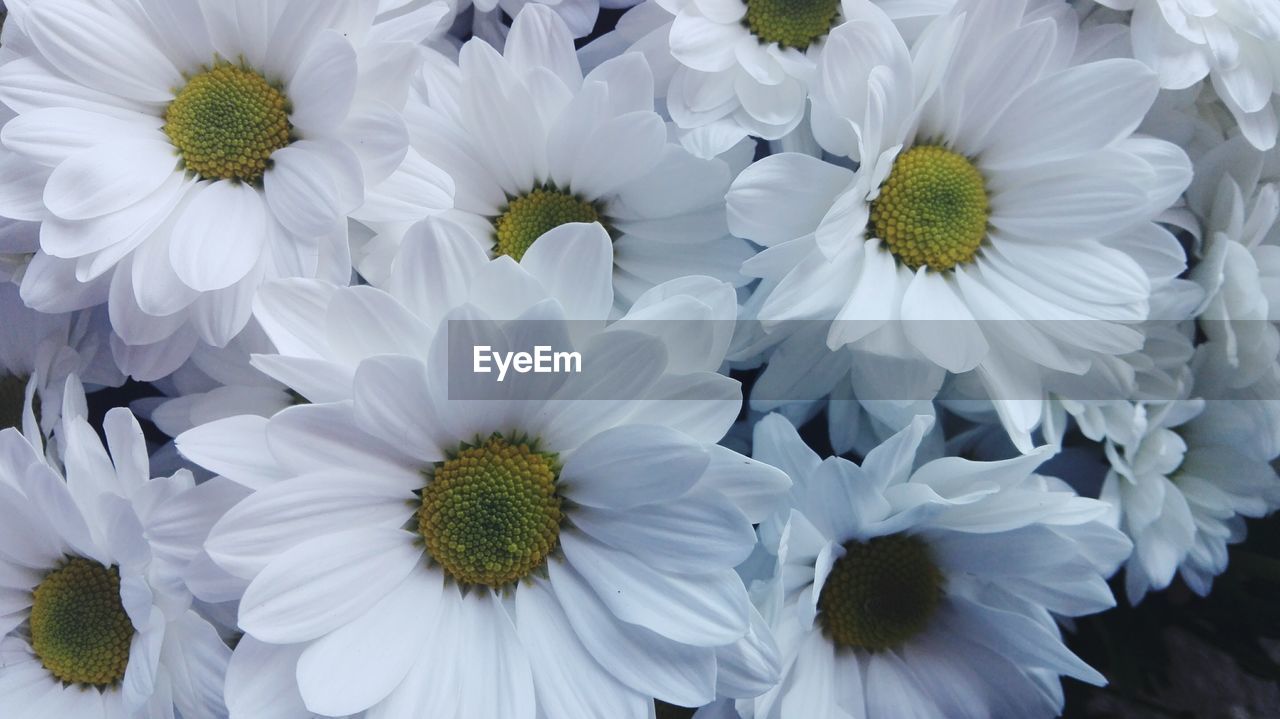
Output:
(594, 359)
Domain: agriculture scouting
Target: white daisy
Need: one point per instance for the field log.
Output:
(749, 64)
(408, 553)
(322, 332)
(1235, 43)
(179, 153)
(531, 144)
(38, 352)
(1236, 197)
(96, 621)
(1182, 486)
(931, 592)
(980, 231)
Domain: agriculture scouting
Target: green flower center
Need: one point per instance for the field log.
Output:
(532, 215)
(13, 398)
(79, 628)
(227, 121)
(880, 593)
(490, 515)
(933, 210)
(791, 23)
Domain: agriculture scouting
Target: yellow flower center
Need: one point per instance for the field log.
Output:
(79, 628)
(490, 515)
(227, 121)
(532, 215)
(933, 210)
(791, 23)
(880, 593)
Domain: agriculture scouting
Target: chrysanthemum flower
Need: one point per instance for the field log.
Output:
(750, 64)
(1189, 473)
(38, 352)
(96, 621)
(927, 592)
(531, 144)
(411, 553)
(999, 222)
(179, 153)
(1236, 197)
(1235, 43)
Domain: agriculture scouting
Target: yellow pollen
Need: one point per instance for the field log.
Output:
(933, 210)
(79, 628)
(227, 121)
(533, 214)
(880, 594)
(791, 23)
(490, 515)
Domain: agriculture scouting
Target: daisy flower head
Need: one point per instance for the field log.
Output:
(95, 618)
(178, 154)
(1234, 43)
(440, 268)
(1236, 199)
(748, 64)
(532, 144)
(995, 219)
(928, 591)
(1186, 475)
(409, 552)
(38, 352)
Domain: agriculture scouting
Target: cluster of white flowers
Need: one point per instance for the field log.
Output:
(1012, 265)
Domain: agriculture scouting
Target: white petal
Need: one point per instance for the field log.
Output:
(937, 322)
(392, 401)
(363, 321)
(416, 190)
(381, 145)
(617, 151)
(219, 237)
(235, 447)
(261, 682)
(574, 264)
(1025, 134)
(539, 38)
(630, 466)
(432, 272)
(323, 584)
(495, 680)
(696, 533)
(321, 437)
(195, 659)
(568, 680)
(783, 197)
(325, 84)
(102, 50)
(286, 514)
(702, 44)
(292, 313)
(50, 135)
(108, 178)
(709, 609)
(301, 191)
(647, 662)
(358, 665)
